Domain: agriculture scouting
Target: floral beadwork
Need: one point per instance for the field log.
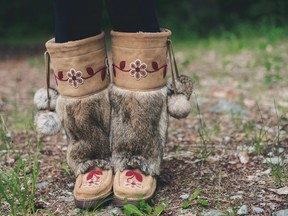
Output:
(93, 179)
(134, 180)
(75, 78)
(138, 69)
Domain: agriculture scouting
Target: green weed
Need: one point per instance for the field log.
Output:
(203, 135)
(5, 139)
(195, 197)
(143, 209)
(17, 186)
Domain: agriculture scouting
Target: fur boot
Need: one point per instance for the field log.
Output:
(81, 74)
(139, 112)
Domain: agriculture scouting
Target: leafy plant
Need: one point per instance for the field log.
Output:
(17, 186)
(143, 209)
(202, 134)
(4, 135)
(195, 197)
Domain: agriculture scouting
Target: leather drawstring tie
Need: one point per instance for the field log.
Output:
(173, 64)
(47, 68)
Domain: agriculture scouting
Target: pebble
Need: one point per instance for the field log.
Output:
(280, 150)
(238, 195)
(230, 107)
(283, 212)
(274, 160)
(257, 210)
(212, 212)
(184, 196)
(70, 185)
(226, 139)
(243, 210)
(41, 184)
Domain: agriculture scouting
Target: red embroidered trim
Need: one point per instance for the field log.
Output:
(155, 67)
(134, 180)
(59, 76)
(95, 172)
(133, 174)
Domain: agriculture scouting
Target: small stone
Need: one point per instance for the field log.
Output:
(268, 171)
(212, 212)
(70, 185)
(243, 157)
(280, 150)
(283, 212)
(280, 191)
(41, 184)
(243, 210)
(238, 195)
(68, 199)
(226, 139)
(257, 210)
(225, 106)
(10, 160)
(77, 211)
(184, 196)
(274, 160)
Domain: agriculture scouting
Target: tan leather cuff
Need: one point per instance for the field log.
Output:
(80, 67)
(140, 59)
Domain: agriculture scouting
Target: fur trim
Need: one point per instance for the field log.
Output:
(47, 123)
(179, 106)
(84, 166)
(87, 123)
(138, 129)
(41, 99)
(184, 85)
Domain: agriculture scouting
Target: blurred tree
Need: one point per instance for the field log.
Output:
(191, 18)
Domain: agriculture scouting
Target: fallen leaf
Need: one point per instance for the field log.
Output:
(280, 191)
(243, 157)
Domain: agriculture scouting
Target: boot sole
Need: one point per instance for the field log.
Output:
(93, 203)
(120, 202)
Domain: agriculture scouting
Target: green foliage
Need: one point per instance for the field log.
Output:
(143, 208)
(4, 135)
(279, 172)
(195, 196)
(17, 186)
(188, 19)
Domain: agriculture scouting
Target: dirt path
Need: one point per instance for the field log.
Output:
(221, 148)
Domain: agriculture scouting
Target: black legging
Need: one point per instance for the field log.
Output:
(75, 19)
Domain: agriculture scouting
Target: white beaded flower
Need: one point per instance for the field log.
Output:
(138, 69)
(75, 78)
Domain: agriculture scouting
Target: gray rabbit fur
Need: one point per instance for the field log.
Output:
(121, 129)
(138, 129)
(87, 124)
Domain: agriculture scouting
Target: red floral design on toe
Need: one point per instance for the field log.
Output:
(93, 179)
(134, 181)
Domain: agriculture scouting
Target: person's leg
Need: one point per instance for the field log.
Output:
(132, 15)
(75, 19)
(138, 98)
(79, 61)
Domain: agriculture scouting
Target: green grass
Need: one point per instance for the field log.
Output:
(18, 185)
(143, 209)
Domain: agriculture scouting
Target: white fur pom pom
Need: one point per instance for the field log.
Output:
(41, 99)
(179, 106)
(47, 123)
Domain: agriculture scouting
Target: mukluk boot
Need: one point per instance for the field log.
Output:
(82, 78)
(139, 113)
